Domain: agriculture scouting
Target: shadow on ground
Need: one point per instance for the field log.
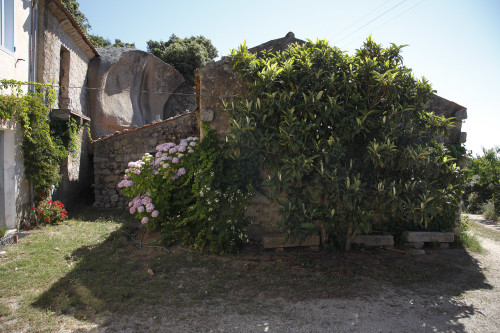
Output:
(123, 287)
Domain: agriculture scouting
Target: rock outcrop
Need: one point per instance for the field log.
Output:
(132, 88)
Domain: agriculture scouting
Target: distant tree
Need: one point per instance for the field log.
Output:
(80, 18)
(83, 22)
(483, 181)
(99, 41)
(119, 43)
(186, 55)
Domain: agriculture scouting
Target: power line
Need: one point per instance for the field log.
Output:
(360, 19)
(391, 19)
(379, 16)
(158, 92)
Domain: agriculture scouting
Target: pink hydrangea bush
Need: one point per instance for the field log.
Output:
(192, 192)
(154, 181)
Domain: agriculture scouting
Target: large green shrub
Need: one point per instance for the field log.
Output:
(192, 193)
(345, 139)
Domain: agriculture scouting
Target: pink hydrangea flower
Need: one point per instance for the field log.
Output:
(140, 209)
(132, 210)
(181, 171)
(150, 207)
(144, 220)
(155, 213)
(175, 160)
(125, 183)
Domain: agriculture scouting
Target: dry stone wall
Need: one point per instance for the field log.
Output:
(113, 153)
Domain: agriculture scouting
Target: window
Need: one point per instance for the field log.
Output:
(7, 24)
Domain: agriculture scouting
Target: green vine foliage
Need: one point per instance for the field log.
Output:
(345, 139)
(42, 152)
(66, 133)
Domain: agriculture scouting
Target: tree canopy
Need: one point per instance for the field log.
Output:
(100, 41)
(186, 55)
(345, 140)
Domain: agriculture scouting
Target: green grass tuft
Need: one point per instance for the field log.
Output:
(471, 242)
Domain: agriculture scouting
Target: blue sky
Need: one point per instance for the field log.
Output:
(455, 44)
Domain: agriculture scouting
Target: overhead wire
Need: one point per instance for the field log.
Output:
(376, 18)
(157, 92)
(391, 19)
(360, 19)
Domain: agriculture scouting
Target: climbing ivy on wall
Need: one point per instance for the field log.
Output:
(345, 140)
(43, 148)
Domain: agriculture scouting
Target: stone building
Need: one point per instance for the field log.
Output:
(63, 53)
(41, 42)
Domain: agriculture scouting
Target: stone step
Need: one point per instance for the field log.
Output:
(273, 241)
(373, 240)
(428, 236)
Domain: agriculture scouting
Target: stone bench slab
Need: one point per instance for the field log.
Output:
(428, 236)
(373, 240)
(273, 241)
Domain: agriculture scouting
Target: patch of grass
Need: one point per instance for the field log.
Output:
(471, 242)
(3, 230)
(489, 211)
(85, 270)
(40, 259)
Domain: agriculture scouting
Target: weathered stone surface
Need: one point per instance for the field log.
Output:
(416, 245)
(463, 137)
(216, 82)
(448, 109)
(207, 115)
(428, 236)
(461, 114)
(415, 252)
(273, 241)
(373, 240)
(133, 88)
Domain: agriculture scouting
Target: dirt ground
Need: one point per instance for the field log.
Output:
(468, 301)
(375, 290)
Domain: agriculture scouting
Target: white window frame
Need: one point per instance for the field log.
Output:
(2, 27)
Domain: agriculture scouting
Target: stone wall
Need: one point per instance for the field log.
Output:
(113, 153)
(63, 56)
(216, 82)
(55, 32)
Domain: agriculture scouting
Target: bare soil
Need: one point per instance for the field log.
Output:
(372, 290)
